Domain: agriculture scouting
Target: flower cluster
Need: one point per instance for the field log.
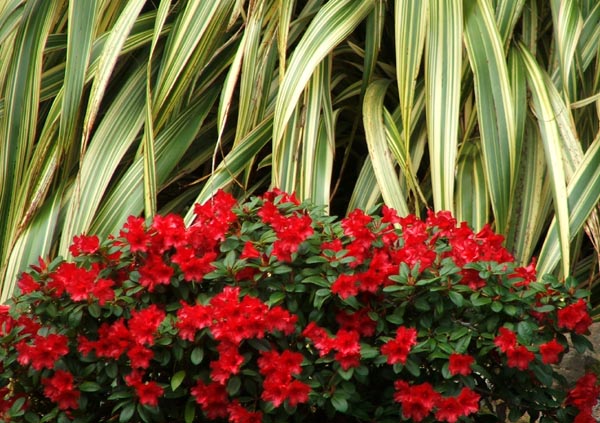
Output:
(272, 311)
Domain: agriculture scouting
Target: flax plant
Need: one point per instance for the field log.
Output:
(486, 108)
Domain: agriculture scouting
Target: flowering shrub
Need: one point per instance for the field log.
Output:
(272, 311)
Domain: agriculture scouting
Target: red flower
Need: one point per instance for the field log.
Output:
(320, 338)
(460, 364)
(148, 393)
(193, 267)
(6, 321)
(140, 356)
(585, 393)
(519, 357)
(585, 417)
(249, 251)
(450, 409)
(170, 232)
(134, 232)
(525, 274)
(345, 286)
(551, 351)
(155, 272)
(212, 398)
(348, 348)
(359, 321)
(239, 414)
(59, 389)
(575, 317)
(397, 349)
(27, 284)
(102, 290)
(278, 384)
(191, 318)
(84, 245)
(417, 400)
(280, 366)
(144, 324)
(277, 392)
(228, 364)
(506, 339)
(43, 352)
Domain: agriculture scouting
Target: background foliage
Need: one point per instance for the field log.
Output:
(488, 108)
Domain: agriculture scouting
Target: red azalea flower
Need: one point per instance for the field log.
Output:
(192, 318)
(140, 356)
(103, 291)
(212, 398)
(277, 392)
(84, 245)
(359, 321)
(460, 364)
(148, 393)
(575, 317)
(519, 357)
(113, 340)
(228, 364)
(526, 274)
(551, 351)
(6, 321)
(585, 417)
(193, 267)
(506, 339)
(397, 350)
(59, 389)
(280, 366)
(345, 286)
(320, 338)
(239, 414)
(417, 401)
(155, 272)
(134, 232)
(249, 251)
(27, 284)
(348, 348)
(281, 320)
(43, 352)
(450, 409)
(297, 393)
(143, 324)
(585, 393)
(170, 231)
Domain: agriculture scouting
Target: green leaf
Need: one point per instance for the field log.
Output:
(581, 343)
(127, 413)
(197, 355)
(339, 403)
(456, 298)
(177, 379)
(190, 412)
(89, 386)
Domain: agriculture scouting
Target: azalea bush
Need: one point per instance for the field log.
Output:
(273, 311)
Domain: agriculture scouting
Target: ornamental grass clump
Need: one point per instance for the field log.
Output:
(271, 311)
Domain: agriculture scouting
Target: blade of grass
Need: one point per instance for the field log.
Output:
(494, 107)
(583, 197)
(552, 148)
(442, 85)
(334, 22)
(410, 26)
(380, 155)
